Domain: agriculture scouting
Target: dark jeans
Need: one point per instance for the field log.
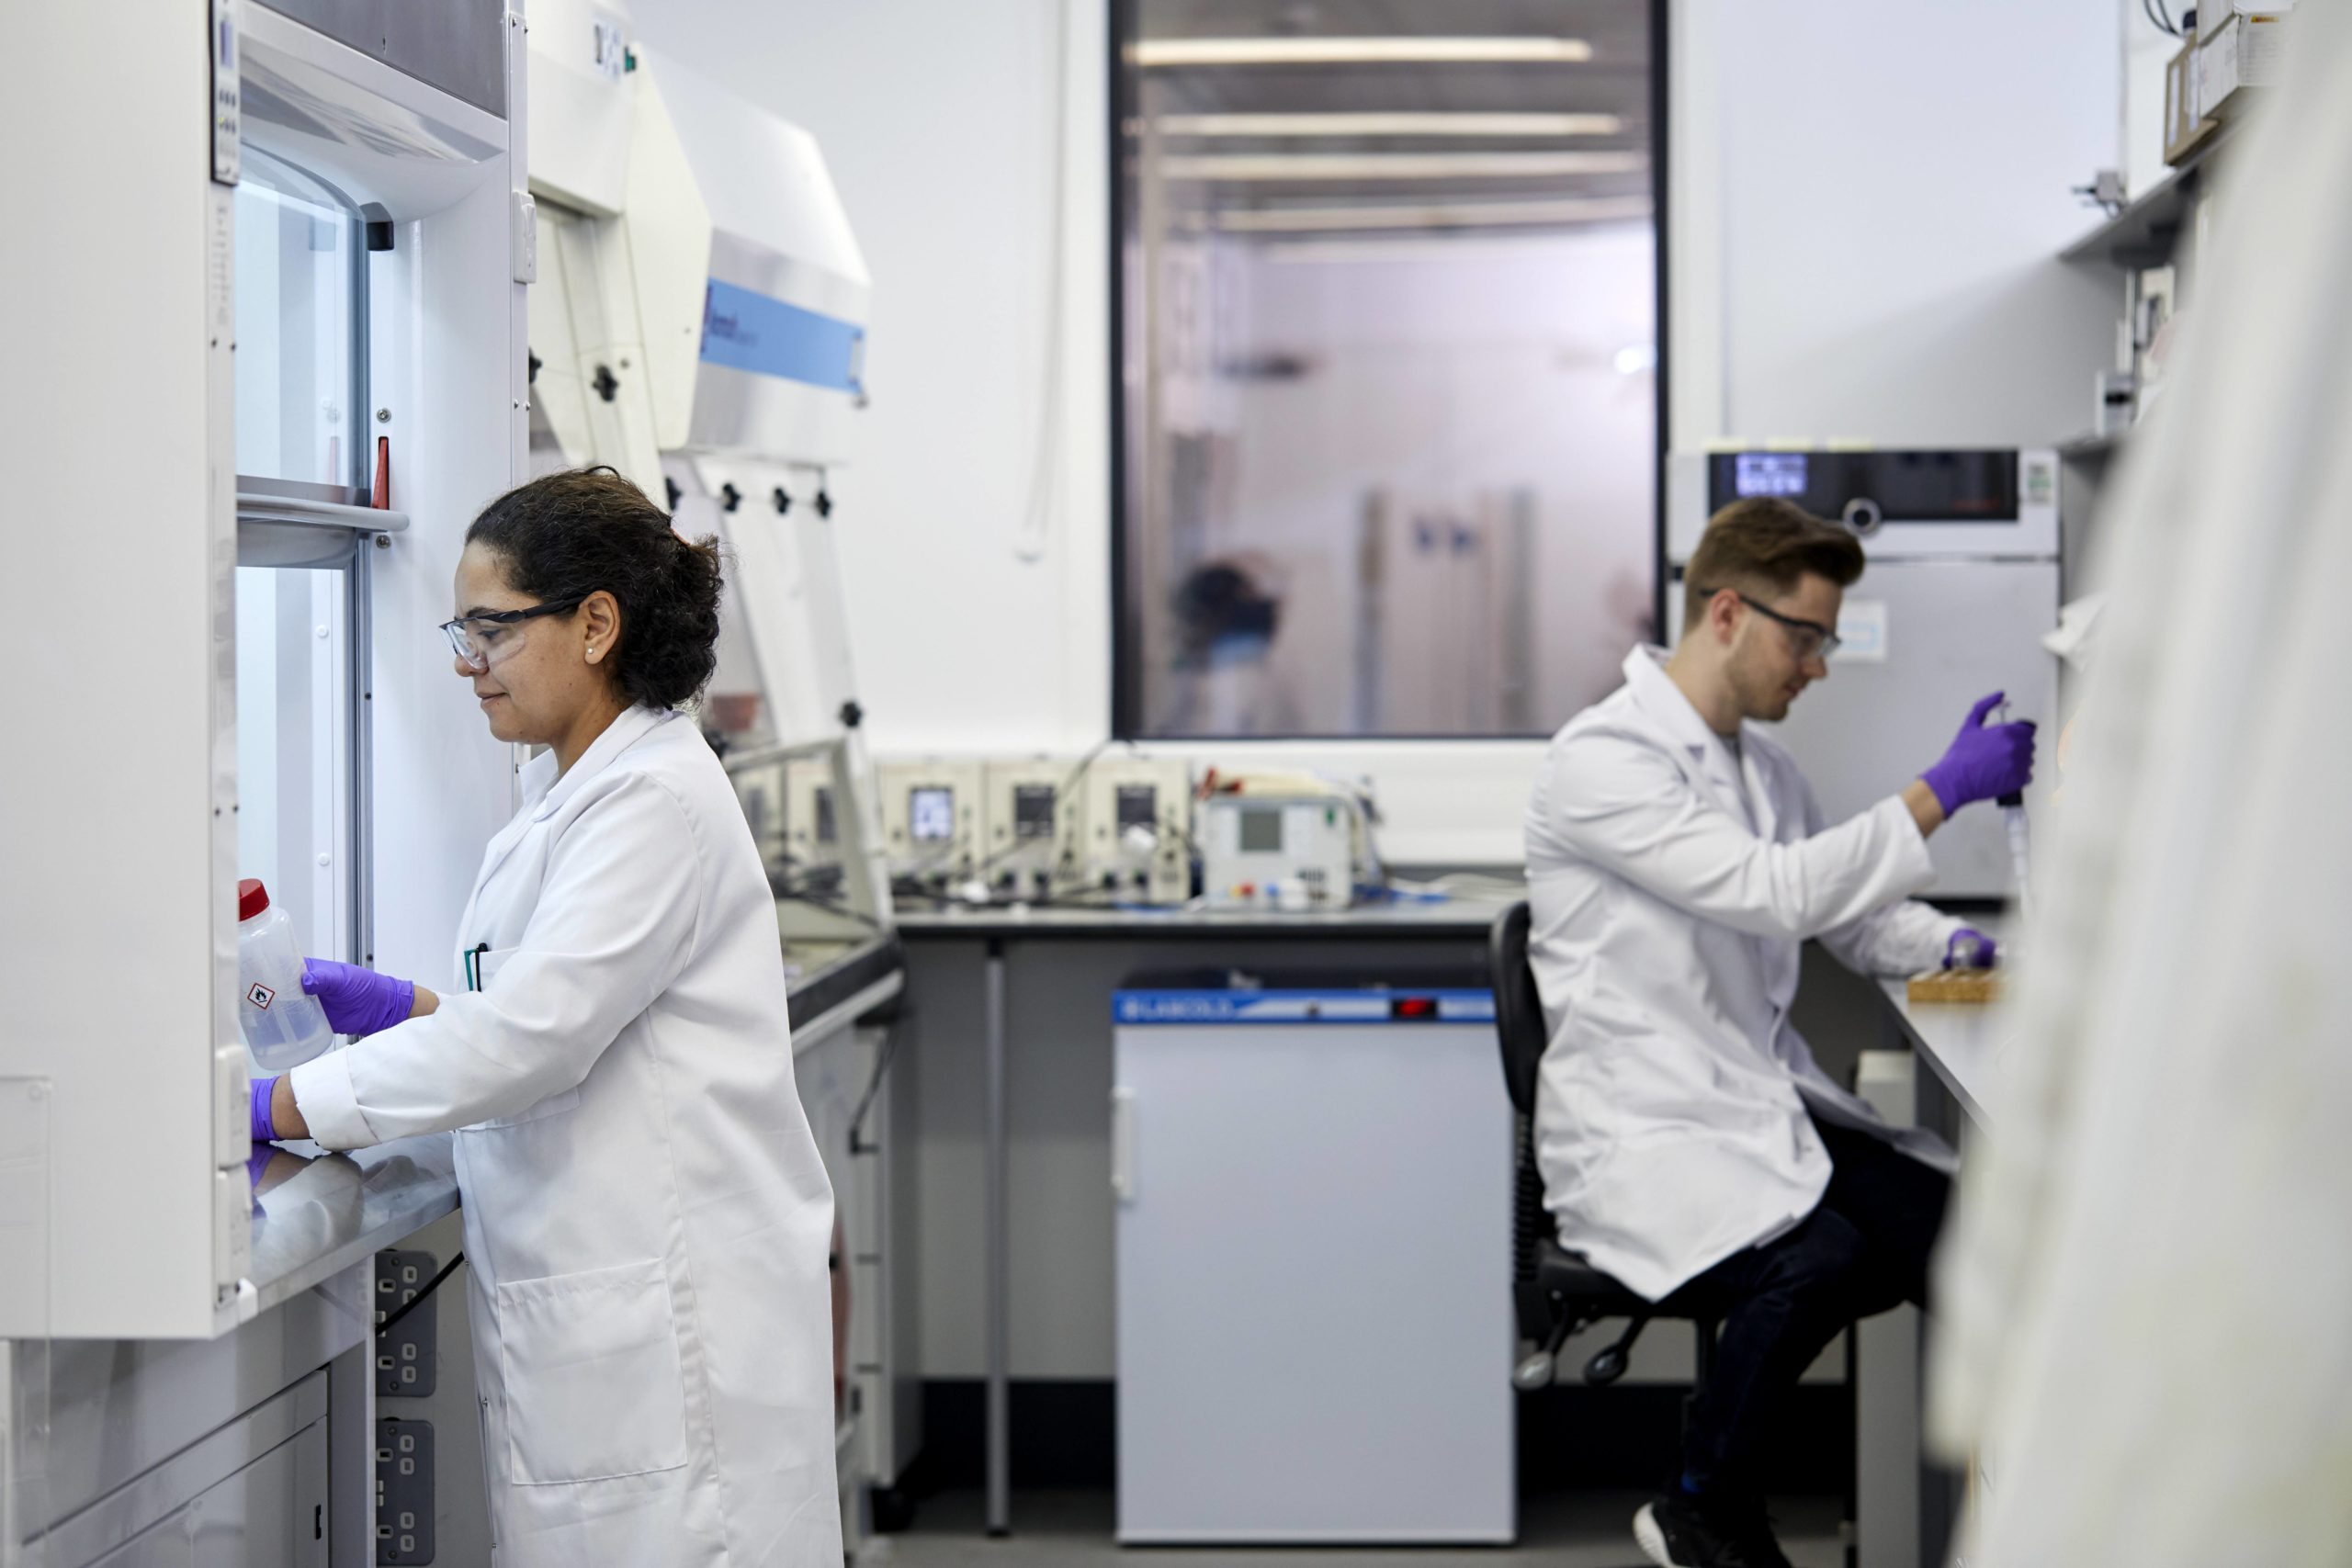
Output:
(1864, 1251)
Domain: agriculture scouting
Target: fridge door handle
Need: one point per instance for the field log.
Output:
(1122, 1145)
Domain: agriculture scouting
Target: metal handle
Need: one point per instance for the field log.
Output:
(1122, 1145)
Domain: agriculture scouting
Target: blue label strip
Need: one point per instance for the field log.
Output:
(747, 331)
(1303, 1006)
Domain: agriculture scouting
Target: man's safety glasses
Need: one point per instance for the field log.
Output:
(1806, 639)
(495, 635)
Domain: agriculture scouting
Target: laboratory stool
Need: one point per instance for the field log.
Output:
(1557, 1293)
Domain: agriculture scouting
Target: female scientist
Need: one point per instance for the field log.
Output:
(645, 1213)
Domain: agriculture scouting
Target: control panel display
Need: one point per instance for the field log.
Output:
(1900, 487)
(930, 814)
(1033, 811)
(1139, 806)
(1768, 473)
(1262, 831)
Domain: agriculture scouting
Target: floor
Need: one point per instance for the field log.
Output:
(1068, 1529)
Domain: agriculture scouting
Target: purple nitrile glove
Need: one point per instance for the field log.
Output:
(1985, 760)
(1969, 949)
(257, 1162)
(264, 1129)
(356, 1000)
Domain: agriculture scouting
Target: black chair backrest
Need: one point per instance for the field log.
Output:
(1518, 1010)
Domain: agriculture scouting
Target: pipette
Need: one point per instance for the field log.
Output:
(2012, 807)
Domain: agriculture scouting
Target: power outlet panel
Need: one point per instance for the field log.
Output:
(404, 1492)
(405, 1358)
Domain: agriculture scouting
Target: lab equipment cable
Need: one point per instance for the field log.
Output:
(882, 1060)
(410, 1305)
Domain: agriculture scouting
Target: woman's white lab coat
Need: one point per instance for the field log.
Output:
(646, 1218)
(1672, 889)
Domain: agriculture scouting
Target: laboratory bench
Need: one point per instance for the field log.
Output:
(829, 985)
(1447, 918)
(1959, 1042)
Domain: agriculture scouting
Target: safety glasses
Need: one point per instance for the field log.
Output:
(495, 635)
(1807, 639)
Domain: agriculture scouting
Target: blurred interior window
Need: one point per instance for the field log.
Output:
(1388, 330)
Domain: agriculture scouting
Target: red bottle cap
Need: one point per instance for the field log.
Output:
(251, 898)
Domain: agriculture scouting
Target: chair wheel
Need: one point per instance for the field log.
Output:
(1534, 1373)
(1606, 1366)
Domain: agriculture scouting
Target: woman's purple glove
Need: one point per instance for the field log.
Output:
(264, 1129)
(1968, 949)
(356, 1000)
(1987, 760)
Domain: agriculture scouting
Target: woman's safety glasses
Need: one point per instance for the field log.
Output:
(495, 635)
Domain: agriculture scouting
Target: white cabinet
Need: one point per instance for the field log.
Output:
(1314, 1264)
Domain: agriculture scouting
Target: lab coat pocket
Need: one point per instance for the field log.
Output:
(487, 966)
(593, 1388)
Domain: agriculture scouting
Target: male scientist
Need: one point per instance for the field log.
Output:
(1677, 861)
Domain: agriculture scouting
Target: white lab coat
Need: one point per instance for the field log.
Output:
(1672, 895)
(2147, 1280)
(647, 1221)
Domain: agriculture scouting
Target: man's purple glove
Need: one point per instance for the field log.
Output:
(356, 1000)
(264, 1129)
(1968, 949)
(1987, 760)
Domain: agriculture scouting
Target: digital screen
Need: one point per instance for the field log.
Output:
(1769, 473)
(1033, 811)
(930, 814)
(1907, 486)
(1261, 832)
(826, 832)
(1139, 806)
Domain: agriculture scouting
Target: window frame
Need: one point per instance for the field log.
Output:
(1121, 96)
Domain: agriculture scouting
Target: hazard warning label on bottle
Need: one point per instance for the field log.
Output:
(261, 996)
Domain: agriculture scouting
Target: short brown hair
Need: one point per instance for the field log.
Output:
(1763, 544)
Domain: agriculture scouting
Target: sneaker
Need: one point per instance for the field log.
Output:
(1676, 1531)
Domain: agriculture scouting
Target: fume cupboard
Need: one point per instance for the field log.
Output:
(280, 328)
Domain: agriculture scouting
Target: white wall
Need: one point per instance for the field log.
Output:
(1868, 195)
(1890, 183)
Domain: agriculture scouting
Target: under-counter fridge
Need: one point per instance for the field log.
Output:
(1313, 1179)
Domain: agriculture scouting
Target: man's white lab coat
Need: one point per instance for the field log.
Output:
(1672, 887)
(647, 1221)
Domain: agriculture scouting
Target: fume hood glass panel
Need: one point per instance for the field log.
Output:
(1389, 346)
(300, 369)
(294, 781)
(301, 269)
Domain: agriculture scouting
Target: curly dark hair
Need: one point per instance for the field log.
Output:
(564, 536)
